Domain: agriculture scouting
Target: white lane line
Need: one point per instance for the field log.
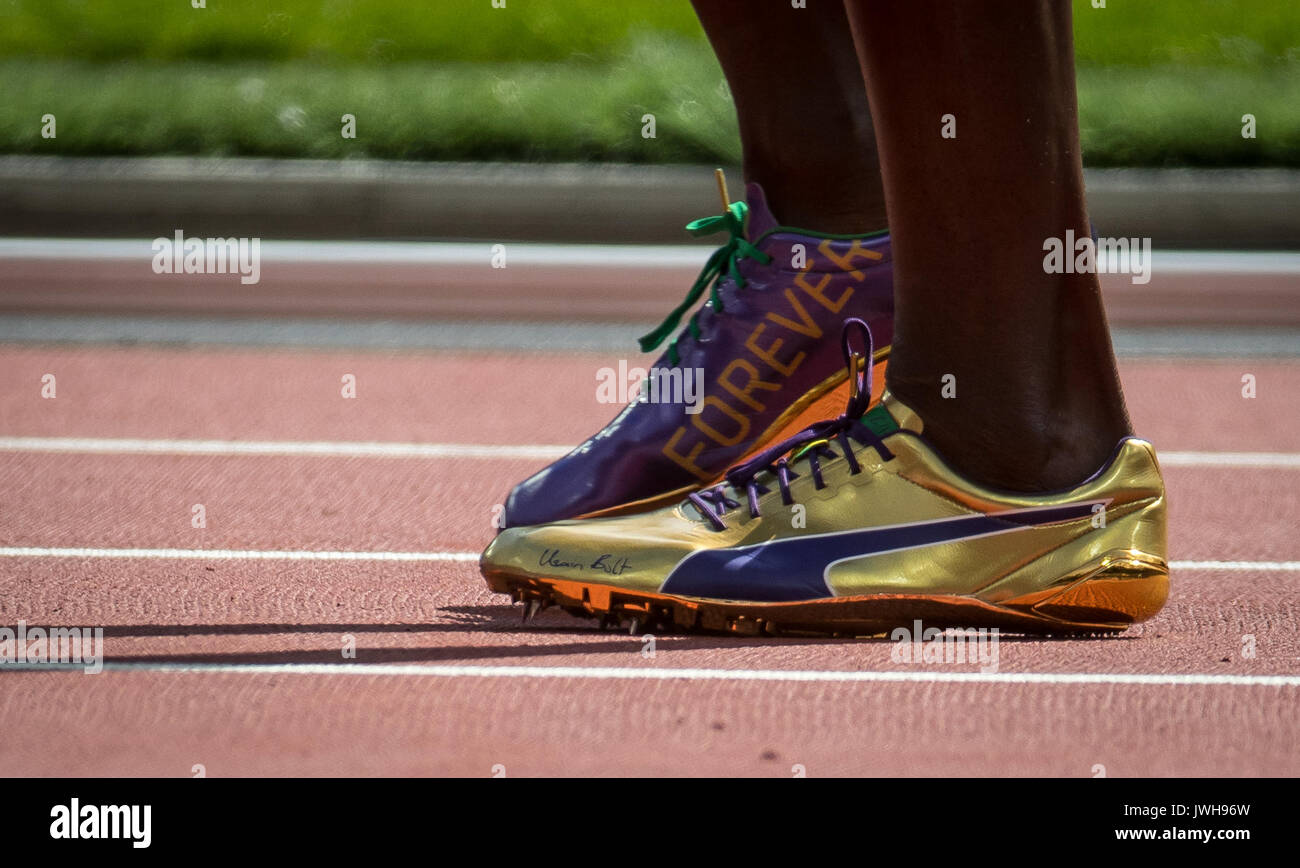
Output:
(379, 449)
(232, 554)
(613, 256)
(611, 673)
(1268, 566)
(1270, 460)
(466, 557)
(689, 257)
(324, 449)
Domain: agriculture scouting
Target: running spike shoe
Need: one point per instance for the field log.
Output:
(760, 353)
(856, 526)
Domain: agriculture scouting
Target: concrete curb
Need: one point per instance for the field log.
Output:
(316, 199)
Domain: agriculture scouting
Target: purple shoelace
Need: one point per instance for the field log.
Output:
(713, 503)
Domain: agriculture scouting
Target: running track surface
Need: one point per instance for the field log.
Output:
(236, 664)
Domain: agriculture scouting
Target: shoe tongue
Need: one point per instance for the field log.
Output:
(760, 220)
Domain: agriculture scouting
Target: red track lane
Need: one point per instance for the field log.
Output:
(501, 398)
(223, 611)
(417, 505)
(164, 724)
(226, 612)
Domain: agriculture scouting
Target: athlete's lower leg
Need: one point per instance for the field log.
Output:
(805, 125)
(975, 114)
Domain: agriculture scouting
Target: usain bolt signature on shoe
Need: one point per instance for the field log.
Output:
(765, 346)
(855, 526)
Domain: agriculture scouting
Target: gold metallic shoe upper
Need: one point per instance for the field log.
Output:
(903, 523)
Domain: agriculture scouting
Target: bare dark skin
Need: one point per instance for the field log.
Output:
(805, 124)
(1038, 404)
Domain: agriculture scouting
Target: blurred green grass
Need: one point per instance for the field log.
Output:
(545, 112)
(1161, 82)
(1125, 32)
(334, 31)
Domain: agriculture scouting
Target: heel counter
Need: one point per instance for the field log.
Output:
(1150, 533)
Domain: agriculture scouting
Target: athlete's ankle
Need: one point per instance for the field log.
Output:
(840, 200)
(1004, 442)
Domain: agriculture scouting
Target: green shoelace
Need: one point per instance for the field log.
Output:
(722, 264)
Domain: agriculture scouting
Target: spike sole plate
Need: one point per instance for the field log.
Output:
(1104, 598)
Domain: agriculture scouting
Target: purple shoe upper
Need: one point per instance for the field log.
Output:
(768, 335)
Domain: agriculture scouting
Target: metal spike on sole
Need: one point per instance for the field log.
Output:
(531, 609)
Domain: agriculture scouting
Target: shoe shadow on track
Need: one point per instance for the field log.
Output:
(551, 628)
